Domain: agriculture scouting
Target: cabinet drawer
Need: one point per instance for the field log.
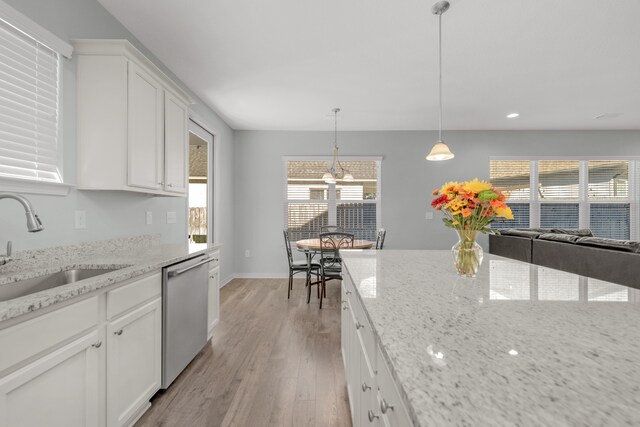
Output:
(365, 334)
(390, 406)
(215, 260)
(36, 335)
(128, 296)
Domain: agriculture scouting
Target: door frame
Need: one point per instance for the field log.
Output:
(197, 125)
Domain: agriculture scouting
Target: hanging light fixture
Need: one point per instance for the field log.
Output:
(440, 151)
(336, 171)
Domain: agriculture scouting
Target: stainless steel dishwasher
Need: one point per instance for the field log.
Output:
(184, 314)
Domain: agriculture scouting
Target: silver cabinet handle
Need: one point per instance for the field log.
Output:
(161, 183)
(359, 325)
(345, 308)
(118, 332)
(169, 185)
(348, 292)
(365, 387)
(215, 259)
(178, 272)
(372, 416)
(97, 344)
(384, 406)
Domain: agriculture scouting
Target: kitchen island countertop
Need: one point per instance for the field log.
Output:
(518, 345)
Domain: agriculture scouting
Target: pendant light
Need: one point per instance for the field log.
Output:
(440, 151)
(336, 171)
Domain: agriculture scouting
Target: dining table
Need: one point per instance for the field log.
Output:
(313, 245)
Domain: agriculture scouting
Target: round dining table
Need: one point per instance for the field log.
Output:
(314, 244)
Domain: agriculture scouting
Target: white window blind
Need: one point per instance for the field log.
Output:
(310, 202)
(29, 107)
(596, 194)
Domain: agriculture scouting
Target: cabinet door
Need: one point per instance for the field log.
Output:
(145, 136)
(353, 370)
(60, 389)
(134, 348)
(214, 300)
(176, 144)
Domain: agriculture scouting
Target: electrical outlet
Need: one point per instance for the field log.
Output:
(247, 253)
(149, 217)
(428, 215)
(81, 220)
(171, 217)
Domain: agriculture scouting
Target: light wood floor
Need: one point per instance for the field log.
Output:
(271, 362)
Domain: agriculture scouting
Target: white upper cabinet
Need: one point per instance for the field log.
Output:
(131, 123)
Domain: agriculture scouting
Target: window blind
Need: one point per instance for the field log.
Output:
(608, 179)
(310, 201)
(559, 179)
(560, 215)
(29, 105)
(511, 177)
(521, 213)
(612, 220)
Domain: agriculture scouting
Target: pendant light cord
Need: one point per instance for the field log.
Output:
(440, 74)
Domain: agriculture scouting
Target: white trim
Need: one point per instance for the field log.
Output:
(226, 281)
(24, 24)
(34, 187)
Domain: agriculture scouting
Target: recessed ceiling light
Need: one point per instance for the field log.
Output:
(513, 115)
(607, 116)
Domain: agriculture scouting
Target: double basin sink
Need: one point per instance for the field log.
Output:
(22, 288)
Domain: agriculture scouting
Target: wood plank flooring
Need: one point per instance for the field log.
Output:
(271, 362)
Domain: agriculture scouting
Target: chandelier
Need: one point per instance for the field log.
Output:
(336, 171)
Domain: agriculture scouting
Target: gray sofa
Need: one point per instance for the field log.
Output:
(575, 251)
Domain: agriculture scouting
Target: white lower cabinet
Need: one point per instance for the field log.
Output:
(213, 311)
(373, 396)
(134, 348)
(59, 370)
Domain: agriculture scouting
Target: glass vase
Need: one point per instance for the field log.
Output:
(467, 254)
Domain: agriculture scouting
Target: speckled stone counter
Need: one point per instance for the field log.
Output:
(519, 345)
(130, 256)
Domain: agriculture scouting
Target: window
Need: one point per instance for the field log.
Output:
(29, 100)
(311, 203)
(598, 194)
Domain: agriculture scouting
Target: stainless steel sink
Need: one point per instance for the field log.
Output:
(31, 286)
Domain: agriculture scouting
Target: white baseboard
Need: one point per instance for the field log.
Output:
(262, 275)
(226, 281)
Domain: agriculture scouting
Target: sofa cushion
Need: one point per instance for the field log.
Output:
(557, 237)
(601, 242)
(521, 232)
(583, 232)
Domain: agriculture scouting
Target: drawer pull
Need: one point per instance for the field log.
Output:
(348, 292)
(345, 308)
(359, 325)
(118, 332)
(384, 406)
(365, 387)
(372, 416)
(97, 344)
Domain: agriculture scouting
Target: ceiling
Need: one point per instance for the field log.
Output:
(284, 64)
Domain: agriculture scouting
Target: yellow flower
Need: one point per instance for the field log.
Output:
(503, 211)
(449, 187)
(475, 186)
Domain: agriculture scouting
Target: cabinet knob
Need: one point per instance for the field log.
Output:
(365, 387)
(118, 332)
(169, 185)
(161, 183)
(384, 406)
(372, 416)
(359, 325)
(348, 292)
(97, 344)
(345, 308)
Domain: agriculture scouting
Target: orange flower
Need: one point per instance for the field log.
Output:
(466, 212)
(435, 192)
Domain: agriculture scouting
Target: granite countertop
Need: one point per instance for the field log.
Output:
(131, 257)
(519, 345)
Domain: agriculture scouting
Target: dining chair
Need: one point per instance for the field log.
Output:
(331, 229)
(299, 266)
(330, 260)
(382, 233)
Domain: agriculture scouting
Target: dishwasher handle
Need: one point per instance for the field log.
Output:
(174, 273)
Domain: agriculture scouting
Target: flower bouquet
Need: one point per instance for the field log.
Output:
(469, 207)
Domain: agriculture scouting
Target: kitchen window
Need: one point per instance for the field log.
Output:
(311, 203)
(30, 134)
(600, 194)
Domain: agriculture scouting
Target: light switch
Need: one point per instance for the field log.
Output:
(81, 220)
(171, 217)
(149, 218)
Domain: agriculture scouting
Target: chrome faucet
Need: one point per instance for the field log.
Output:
(33, 222)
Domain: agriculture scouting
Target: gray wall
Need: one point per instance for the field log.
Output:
(407, 178)
(111, 214)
